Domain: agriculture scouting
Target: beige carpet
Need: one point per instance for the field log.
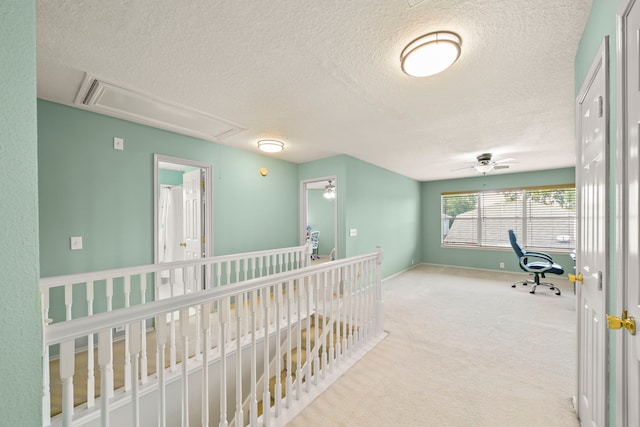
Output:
(464, 349)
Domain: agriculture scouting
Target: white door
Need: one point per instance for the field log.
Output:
(192, 188)
(628, 410)
(591, 250)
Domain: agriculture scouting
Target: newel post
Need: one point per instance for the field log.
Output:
(378, 293)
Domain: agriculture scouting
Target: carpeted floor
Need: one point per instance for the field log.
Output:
(464, 349)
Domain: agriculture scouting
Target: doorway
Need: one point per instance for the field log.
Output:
(319, 217)
(182, 219)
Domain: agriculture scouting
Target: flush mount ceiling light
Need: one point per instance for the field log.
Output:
(270, 145)
(430, 54)
(329, 191)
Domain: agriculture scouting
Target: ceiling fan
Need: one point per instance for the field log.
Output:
(485, 163)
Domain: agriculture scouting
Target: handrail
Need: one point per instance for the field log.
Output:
(208, 326)
(53, 281)
(77, 328)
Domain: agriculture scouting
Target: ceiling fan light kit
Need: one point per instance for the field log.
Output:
(485, 163)
(329, 191)
(431, 53)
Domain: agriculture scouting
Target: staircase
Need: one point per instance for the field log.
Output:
(258, 351)
(319, 343)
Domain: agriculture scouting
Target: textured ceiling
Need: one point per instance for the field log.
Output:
(324, 76)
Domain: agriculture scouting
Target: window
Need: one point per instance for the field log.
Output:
(541, 217)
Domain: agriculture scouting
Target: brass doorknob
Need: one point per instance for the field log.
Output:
(628, 323)
(576, 278)
(183, 244)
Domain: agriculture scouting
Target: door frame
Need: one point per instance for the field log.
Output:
(622, 186)
(304, 206)
(600, 63)
(207, 201)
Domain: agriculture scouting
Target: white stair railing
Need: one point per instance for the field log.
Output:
(230, 360)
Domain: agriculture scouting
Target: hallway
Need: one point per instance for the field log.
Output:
(464, 349)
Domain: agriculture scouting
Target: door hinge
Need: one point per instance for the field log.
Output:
(202, 185)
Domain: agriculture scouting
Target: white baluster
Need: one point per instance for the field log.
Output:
(184, 331)
(161, 340)
(266, 395)
(68, 300)
(144, 374)
(278, 387)
(316, 310)
(333, 322)
(223, 312)
(172, 326)
(326, 314)
(127, 362)
(289, 380)
(134, 352)
(198, 314)
(206, 321)
(254, 361)
(91, 391)
(228, 271)
(310, 357)
(109, 371)
(67, 367)
(299, 296)
(105, 361)
(240, 308)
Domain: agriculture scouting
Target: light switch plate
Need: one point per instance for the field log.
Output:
(353, 232)
(76, 243)
(118, 143)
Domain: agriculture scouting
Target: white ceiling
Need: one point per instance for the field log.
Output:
(324, 76)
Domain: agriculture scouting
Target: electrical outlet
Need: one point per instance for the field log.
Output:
(502, 265)
(118, 143)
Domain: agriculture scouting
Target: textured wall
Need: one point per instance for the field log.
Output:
(20, 362)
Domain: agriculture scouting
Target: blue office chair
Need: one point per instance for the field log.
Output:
(535, 263)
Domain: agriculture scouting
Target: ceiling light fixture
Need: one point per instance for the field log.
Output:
(484, 168)
(329, 191)
(270, 145)
(430, 54)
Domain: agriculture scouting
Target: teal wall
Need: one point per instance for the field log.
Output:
(320, 212)
(333, 166)
(169, 177)
(601, 23)
(385, 209)
(383, 206)
(89, 189)
(20, 361)
(433, 253)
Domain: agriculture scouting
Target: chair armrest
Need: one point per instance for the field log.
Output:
(525, 261)
(540, 255)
